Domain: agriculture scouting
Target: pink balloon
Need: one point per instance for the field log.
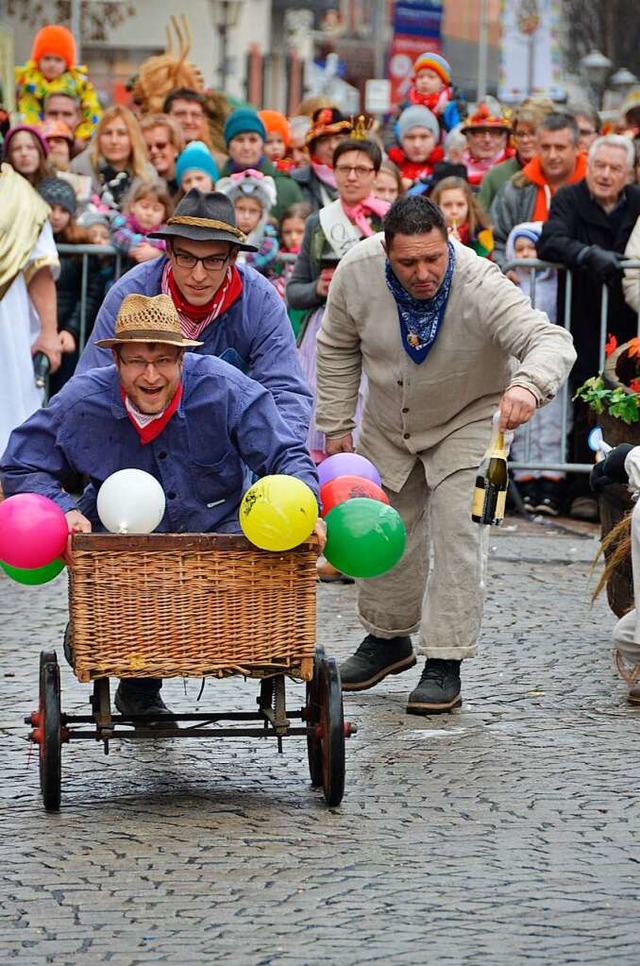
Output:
(347, 464)
(33, 531)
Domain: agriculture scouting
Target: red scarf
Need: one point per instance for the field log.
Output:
(436, 102)
(195, 318)
(414, 170)
(154, 428)
(360, 214)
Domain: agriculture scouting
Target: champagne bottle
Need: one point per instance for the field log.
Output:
(490, 491)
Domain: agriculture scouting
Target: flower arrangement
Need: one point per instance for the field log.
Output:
(622, 401)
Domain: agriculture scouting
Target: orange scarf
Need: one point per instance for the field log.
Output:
(533, 171)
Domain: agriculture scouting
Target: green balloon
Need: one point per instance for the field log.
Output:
(35, 576)
(365, 538)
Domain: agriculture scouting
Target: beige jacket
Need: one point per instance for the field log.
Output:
(490, 339)
(631, 278)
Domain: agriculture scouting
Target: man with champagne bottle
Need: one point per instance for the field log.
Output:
(444, 340)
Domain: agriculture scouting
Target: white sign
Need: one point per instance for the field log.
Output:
(530, 50)
(377, 96)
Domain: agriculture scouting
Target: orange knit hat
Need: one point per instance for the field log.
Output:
(276, 123)
(53, 39)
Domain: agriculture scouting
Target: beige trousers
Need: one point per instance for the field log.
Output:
(437, 589)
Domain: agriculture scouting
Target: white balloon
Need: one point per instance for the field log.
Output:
(131, 501)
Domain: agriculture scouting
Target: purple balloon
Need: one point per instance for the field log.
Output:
(347, 464)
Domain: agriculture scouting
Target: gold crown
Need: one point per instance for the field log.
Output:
(361, 127)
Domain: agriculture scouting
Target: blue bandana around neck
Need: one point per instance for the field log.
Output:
(420, 319)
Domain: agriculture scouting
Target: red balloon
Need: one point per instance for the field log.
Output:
(343, 488)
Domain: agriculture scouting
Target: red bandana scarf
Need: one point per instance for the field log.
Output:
(154, 428)
(195, 318)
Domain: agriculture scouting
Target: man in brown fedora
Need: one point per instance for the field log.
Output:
(233, 311)
(193, 422)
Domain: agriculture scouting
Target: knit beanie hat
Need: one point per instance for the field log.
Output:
(244, 120)
(55, 191)
(196, 156)
(54, 40)
(434, 62)
(418, 116)
(42, 144)
(250, 184)
(276, 123)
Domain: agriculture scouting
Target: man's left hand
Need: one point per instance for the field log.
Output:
(517, 406)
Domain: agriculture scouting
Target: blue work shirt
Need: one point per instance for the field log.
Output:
(224, 423)
(254, 335)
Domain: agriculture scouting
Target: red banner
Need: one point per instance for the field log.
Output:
(402, 53)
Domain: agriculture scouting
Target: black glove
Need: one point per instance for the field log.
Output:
(603, 263)
(610, 469)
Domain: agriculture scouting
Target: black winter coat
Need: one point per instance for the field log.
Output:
(575, 222)
(69, 292)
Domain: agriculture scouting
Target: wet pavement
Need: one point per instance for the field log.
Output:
(502, 833)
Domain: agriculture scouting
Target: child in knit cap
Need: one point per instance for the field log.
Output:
(278, 140)
(431, 87)
(253, 195)
(52, 69)
(146, 210)
(418, 132)
(195, 168)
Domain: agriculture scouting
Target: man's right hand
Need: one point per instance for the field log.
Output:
(77, 523)
(343, 444)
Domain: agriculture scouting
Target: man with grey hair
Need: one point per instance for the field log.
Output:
(527, 195)
(588, 228)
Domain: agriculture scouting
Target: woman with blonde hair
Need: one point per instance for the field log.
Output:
(116, 159)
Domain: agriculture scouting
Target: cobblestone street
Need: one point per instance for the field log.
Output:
(503, 833)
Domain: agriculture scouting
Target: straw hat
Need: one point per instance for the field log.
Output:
(147, 318)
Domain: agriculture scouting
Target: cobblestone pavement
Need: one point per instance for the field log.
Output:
(503, 833)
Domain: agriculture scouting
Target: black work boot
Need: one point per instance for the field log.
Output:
(141, 696)
(375, 658)
(438, 689)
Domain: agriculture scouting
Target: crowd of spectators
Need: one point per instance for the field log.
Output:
(539, 178)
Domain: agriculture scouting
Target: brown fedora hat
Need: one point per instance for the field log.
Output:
(205, 216)
(147, 318)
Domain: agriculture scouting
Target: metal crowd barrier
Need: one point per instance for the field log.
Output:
(85, 251)
(534, 265)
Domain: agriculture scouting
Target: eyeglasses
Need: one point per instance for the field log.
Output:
(358, 169)
(165, 364)
(158, 145)
(586, 132)
(210, 263)
(524, 135)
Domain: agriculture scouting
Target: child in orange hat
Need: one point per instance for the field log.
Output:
(52, 70)
(278, 140)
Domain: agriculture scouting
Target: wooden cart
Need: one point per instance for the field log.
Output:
(193, 605)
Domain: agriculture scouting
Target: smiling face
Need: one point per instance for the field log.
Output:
(355, 175)
(419, 262)
(246, 149)
(191, 118)
(607, 174)
(485, 143)
(558, 152)
(115, 144)
(149, 374)
(24, 155)
(162, 153)
(199, 283)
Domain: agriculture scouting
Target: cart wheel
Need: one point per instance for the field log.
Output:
(312, 717)
(50, 731)
(331, 732)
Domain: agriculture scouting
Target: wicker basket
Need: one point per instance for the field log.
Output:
(192, 605)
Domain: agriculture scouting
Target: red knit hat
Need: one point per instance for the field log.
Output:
(56, 40)
(276, 123)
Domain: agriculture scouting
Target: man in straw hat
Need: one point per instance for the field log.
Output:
(231, 310)
(176, 415)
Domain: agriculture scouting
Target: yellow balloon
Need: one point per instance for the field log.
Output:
(278, 512)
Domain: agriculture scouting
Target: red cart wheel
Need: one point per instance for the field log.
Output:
(50, 731)
(331, 732)
(312, 717)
